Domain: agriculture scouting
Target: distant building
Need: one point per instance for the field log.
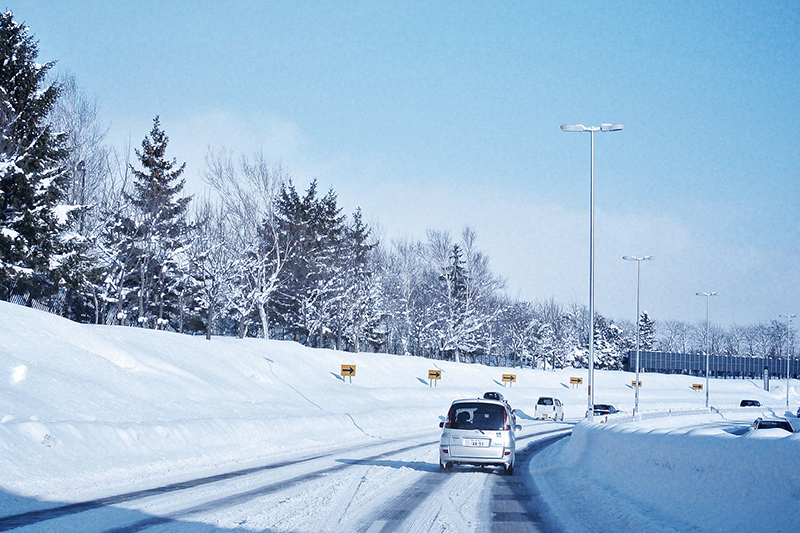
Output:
(722, 366)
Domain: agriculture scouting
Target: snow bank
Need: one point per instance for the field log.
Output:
(690, 473)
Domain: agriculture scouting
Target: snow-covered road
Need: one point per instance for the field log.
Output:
(384, 486)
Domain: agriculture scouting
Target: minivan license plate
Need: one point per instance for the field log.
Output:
(478, 442)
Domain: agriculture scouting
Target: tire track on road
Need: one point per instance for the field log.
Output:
(516, 505)
(10, 522)
(244, 497)
(393, 515)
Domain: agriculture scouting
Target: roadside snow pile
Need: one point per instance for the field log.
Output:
(698, 477)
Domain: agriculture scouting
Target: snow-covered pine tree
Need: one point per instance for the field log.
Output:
(32, 175)
(160, 223)
(610, 344)
(355, 318)
(316, 227)
(329, 258)
(647, 332)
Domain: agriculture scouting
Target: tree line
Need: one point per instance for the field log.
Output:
(108, 236)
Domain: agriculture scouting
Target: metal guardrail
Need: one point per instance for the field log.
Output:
(649, 415)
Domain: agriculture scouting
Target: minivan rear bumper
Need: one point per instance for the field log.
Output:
(456, 456)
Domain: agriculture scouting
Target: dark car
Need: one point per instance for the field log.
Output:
(499, 397)
(772, 423)
(749, 403)
(604, 409)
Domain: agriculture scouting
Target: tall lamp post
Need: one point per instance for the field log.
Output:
(580, 128)
(708, 296)
(638, 285)
(788, 347)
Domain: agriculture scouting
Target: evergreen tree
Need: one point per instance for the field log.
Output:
(647, 332)
(33, 251)
(356, 305)
(610, 344)
(316, 227)
(159, 225)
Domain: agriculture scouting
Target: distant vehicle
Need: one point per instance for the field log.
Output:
(601, 409)
(550, 408)
(772, 423)
(480, 433)
(751, 403)
(798, 412)
(499, 397)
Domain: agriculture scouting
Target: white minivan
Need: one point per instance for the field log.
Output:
(478, 432)
(549, 408)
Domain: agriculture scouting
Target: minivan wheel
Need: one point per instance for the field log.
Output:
(445, 467)
(509, 470)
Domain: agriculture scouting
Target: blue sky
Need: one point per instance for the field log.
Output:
(444, 114)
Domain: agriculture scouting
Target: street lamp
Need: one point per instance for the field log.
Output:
(788, 318)
(708, 296)
(638, 285)
(580, 128)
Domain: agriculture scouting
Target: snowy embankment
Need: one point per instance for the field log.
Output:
(87, 411)
(701, 472)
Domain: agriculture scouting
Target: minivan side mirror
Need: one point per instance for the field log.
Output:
(441, 424)
(517, 428)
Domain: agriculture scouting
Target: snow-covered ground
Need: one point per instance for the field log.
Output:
(87, 412)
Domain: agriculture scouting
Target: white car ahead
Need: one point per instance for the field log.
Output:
(549, 408)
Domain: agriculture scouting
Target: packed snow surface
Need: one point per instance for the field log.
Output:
(90, 411)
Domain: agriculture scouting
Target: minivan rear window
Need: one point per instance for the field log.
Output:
(545, 401)
(487, 417)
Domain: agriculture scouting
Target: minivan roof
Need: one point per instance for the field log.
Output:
(480, 400)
